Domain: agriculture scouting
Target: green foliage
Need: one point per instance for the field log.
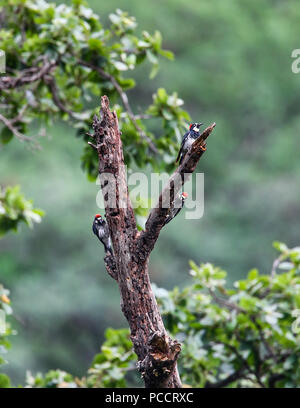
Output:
(109, 367)
(14, 209)
(5, 310)
(4, 381)
(241, 337)
(53, 379)
(88, 60)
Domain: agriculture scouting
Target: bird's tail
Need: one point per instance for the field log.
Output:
(107, 249)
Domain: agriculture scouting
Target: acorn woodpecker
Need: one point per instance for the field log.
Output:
(100, 229)
(188, 140)
(178, 205)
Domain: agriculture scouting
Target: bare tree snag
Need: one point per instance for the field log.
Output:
(157, 352)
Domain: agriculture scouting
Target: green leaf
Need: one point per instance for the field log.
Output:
(167, 114)
(6, 135)
(253, 274)
(162, 95)
(152, 57)
(281, 247)
(120, 65)
(95, 44)
(127, 83)
(4, 381)
(167, 54)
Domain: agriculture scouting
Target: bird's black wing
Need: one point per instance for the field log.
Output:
(170, 217)
(179, 154)
(182, 144)
(95, 229)
(178, 205)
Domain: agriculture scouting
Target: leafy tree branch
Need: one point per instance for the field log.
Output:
(65, 60)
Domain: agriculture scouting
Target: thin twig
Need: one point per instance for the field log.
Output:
(224, 302)
(93, 145)
(263, 340)
(19, 115)
(143, 116)
(228, 380)
(50, 81)
(245, 364)
(275, 265)
(15, 131)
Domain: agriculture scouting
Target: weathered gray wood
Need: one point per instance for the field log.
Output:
(157, 352)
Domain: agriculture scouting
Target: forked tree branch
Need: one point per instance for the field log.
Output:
(157, 352)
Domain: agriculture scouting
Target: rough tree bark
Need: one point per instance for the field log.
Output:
(157, 352)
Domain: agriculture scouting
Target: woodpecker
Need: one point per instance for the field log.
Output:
(100, 229)
(188, 140)
(178, 205)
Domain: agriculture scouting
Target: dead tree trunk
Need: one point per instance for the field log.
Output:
(157, 352)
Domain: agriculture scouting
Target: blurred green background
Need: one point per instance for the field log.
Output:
(232, 66)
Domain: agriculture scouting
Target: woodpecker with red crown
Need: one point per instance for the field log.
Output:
(100, 229)
(188, 140)
(178, 205)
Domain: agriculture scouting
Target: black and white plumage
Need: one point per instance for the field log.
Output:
(178, 205)
(188, 140)
(100, 229)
